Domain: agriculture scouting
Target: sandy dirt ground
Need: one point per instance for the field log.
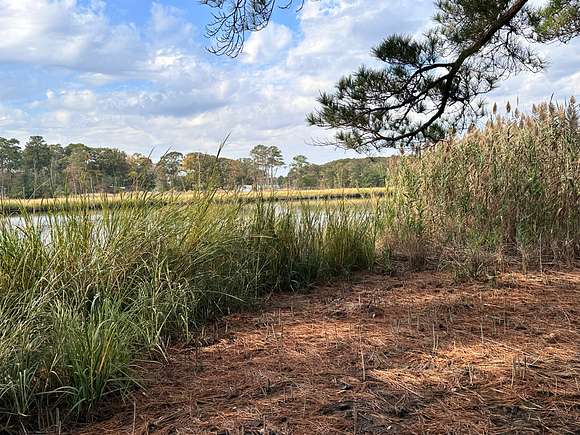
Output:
(416, 353)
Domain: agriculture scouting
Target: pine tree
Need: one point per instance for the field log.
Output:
(426, 86)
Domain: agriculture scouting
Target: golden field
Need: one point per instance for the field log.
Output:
(102, 200)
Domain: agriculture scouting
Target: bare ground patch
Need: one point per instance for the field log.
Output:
(410, 354)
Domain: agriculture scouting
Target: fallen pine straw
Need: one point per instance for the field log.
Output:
(413, 354)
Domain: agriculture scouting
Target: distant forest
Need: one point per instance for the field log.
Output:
(40, 170)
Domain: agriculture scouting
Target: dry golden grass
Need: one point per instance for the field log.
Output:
(111, 200)
(410, 354)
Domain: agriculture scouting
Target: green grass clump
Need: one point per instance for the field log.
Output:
(508, 190)
(85, 295)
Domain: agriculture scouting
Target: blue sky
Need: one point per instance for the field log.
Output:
(135, 74)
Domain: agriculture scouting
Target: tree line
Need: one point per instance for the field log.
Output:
(37, 169)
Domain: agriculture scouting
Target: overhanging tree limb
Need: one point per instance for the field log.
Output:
(234, 19)
(429, 87)
(424, 87)
(449, 78)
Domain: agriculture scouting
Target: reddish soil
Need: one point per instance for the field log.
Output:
(416, 353)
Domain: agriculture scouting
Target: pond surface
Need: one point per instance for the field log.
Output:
(319, 210)
(40, 219)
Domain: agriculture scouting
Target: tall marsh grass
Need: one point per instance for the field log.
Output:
(509, 190)
(83, 296)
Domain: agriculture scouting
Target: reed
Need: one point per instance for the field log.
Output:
(509, 190)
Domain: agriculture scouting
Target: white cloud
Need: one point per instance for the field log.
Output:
(64, 34)
(560, 80)
(340, 32)
(266, 45)
(168, 102)
(169, 25)
(77, 100)
(11, 118)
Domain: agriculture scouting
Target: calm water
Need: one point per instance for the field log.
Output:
(40, 219)
(43, 221)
